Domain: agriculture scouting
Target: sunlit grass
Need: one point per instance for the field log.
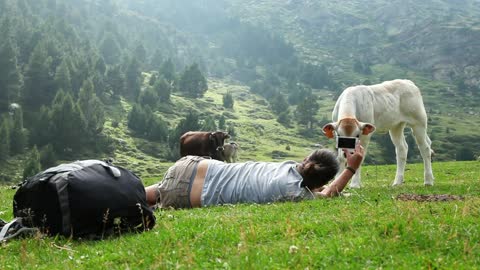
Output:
(368, 229)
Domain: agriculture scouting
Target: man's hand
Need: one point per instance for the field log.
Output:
(355, 159)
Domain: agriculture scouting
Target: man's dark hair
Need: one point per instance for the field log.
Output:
(319, 168)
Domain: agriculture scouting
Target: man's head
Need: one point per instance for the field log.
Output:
(318, 168)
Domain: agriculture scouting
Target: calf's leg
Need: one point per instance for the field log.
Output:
(424, 145)
(401, 151)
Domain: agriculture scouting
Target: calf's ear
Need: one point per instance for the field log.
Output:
(367, 128)
(328, 130)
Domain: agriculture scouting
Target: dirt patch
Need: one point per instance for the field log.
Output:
(429, 198)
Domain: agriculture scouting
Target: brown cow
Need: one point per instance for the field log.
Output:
(203, 143)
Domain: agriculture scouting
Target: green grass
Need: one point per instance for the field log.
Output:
(367, 230)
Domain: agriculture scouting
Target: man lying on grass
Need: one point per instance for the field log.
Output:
(196, 181)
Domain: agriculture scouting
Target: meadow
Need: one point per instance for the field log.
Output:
(367, 228)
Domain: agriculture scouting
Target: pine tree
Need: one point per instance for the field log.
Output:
(133, 79)
(163, 89)
(4, 140)
(41, 130)
(306, 111)
(110, 49)
(231, 130)
(100, 66)
(228, 100)
(167, 70)
(156, 60)
(92, 109)
(19, 137)
(278, 103)
(62, 77)
(47, 156)
(148, 97)
(284, 118)
(153, 79)
(137, 119)
(9, 75)
(221, 122)
(68, 126)
(32, 165)
(38, 90)
(115, 81)
(209, 124)
(189, 123)
(140, 54)
(193, 82)
(158, 129)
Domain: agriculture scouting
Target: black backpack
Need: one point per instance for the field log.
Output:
(83, 199)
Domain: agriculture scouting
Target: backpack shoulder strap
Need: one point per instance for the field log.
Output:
(15, 228)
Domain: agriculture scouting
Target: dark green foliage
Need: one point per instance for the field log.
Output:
(189, 123)
(32, 165)
(91, 109)
(278, 103)
(163, 89)
(284, 118)
(47, 157)
(464, 153)
(362, 67)
(41, 130)
(4, 140)
(297, 93)
(252, 43)
(153, 79)
(18, 134)
(306, 111)
(265, 90)
(221, 122)
(158, 129)
(38, 89)
(100, 66)
(133, 79)
(387, 148)
(228, 100)
(231, 130)
(412, 146)
(140, 54)
(110, 50)
(9, 75)
(68, 127)
(146, 124)
(167, 70)
(317, 77)
(192, 82)
(156, 60)
(137, 118)
(148, 97)
(115, 81)
(62, 77)
(209, 124)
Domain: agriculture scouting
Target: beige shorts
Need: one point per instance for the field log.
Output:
(174, 190)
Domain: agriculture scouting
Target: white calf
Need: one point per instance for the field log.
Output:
(391, 106)
(230, 152)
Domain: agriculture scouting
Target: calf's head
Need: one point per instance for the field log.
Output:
(348, 127)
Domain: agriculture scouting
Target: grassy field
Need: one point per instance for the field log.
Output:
(370, 229)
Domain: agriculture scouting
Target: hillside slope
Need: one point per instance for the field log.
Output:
(260, 136)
